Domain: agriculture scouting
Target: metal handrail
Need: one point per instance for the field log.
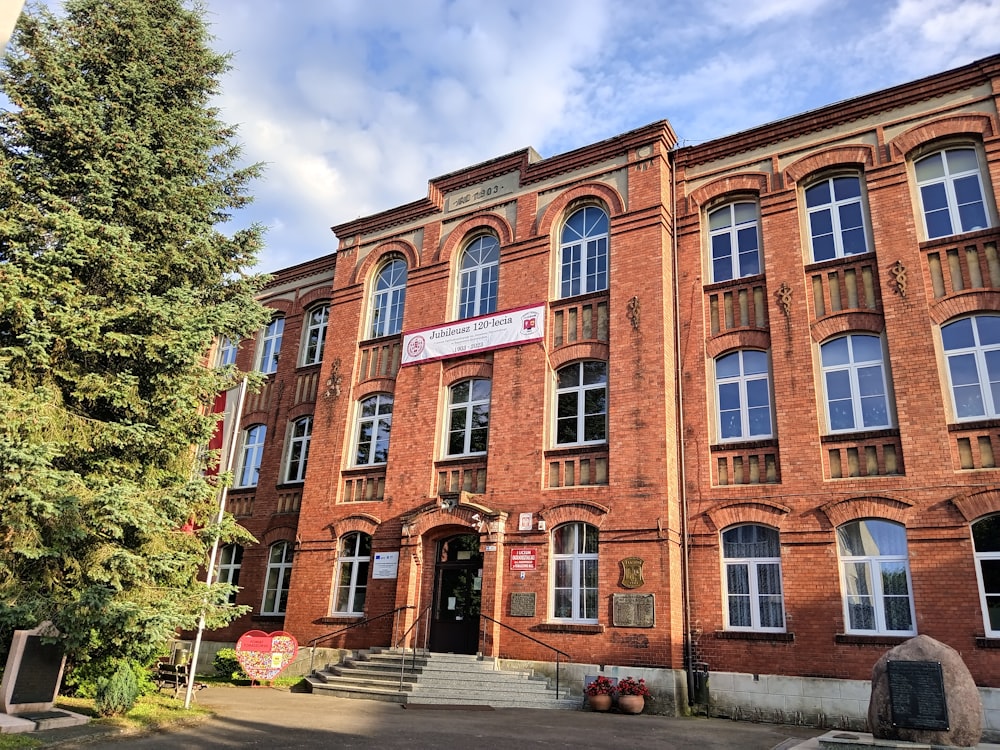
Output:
(317, 639)
(402, 662)
(530, 638)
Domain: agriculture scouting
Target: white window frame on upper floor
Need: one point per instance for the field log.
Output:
(838, 217)
(479, 277)
(388, 299)
(314, 335)
(269, 348)
(857, 379)
(971, 346)
(584, 252)
(378, 420)
(734, 240)
(581, 402)
(468, 418)
(300, 436)
(278, 580)
(228, 350)
(251, 456)
(951, 189)
(743, 393)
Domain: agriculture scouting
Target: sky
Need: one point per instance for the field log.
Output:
(354, 105)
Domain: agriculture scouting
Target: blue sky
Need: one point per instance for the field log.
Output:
(355, 104)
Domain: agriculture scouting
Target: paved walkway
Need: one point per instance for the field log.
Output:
(274, 718)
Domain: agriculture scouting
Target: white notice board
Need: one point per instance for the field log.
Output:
(386, 565)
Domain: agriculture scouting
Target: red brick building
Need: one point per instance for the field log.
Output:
(732, 405)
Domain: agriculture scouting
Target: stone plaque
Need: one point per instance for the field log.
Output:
(522, 604)
(633, 610)
(916, 695)
(33, 672)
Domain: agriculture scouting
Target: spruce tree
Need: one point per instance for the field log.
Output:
(116, 181)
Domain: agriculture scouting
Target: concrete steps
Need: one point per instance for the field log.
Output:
(442, 679)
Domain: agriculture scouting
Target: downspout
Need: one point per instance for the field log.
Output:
(679, 378)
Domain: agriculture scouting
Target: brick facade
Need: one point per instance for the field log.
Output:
(664, 484)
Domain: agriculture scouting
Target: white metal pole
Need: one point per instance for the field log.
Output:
(210, 573)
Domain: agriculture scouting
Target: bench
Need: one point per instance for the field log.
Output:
(173, 676)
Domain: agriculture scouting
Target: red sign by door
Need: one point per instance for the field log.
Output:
(523, 558)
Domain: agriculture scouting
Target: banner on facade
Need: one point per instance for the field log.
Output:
(510, 328)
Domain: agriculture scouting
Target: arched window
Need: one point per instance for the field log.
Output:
(479, 277)
(582, 403)
(353, 558)
(584, 253)
(986, 542)
(230, 562)
(279, 577)
(972, 348)
(270, 346)
(468, 417)
(856, 386)
(744, 395)
(875, 578)
(735, 241)
(298, 450)
(374, 424)
(388, 300)
(951, 192)
(253, 452)
(752, 557)
(228, 350)
(314, 335)
(574, 583)
(837, 219)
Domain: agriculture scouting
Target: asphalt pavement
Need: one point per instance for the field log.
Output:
(278, 718)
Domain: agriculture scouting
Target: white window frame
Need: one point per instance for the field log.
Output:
(584, 252)
(755, 566)
(314, 335)
(251, 456)
(858, 372)
(578, 562)
(270, 346)
(230, 563)
(986, 556)
(984, 391)
(734, 229)
(466, 411)
(355, 566)
(381, 417)
(579, 392)
(228, 350)
(279, 578)
(836, 208)
(745, 384)
(388, 300)
(949, 180)
(874, 564)
(478, 278)
(300, 435)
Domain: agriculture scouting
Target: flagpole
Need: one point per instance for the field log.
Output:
(210, 574)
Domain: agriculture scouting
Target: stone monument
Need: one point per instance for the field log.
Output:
(31, 683)
(923, 692)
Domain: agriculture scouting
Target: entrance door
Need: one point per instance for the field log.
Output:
(458, 583)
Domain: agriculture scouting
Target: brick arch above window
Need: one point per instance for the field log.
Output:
(840, 512)
(856, 157)
(278, 534)
(965, 303)
(383, 254)
(371, 387)
(466, 370)
(978, 504)
(473, 227)
(733, 513)
(738, 340)
(296, 413)
(577, 352)
(839, 324)
(575, 512)
(315, 297)
(280, 307)
(978, 124)
(363, 522)
(755, 183)
(592, 193)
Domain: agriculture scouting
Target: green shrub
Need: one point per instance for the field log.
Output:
(117, 693)
(226, 665)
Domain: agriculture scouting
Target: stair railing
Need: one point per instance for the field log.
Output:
(402, 638)
(317, 639)
(530, 638)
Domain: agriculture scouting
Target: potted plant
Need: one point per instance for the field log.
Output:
(599, 692)
(632, 694)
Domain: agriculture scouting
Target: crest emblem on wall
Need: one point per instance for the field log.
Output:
(631, 572)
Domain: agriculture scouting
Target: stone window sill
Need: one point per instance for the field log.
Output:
(871, 640)
(983, 642)
(749, 635)
(568, 627)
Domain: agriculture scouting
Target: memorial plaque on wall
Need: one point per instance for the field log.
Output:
(522, 604)
(916, 695)
(633, 610)
(37, 678)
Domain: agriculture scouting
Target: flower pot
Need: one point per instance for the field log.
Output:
(599, 702)
(631, 704)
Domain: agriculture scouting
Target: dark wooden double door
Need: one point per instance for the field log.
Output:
(458, 579)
